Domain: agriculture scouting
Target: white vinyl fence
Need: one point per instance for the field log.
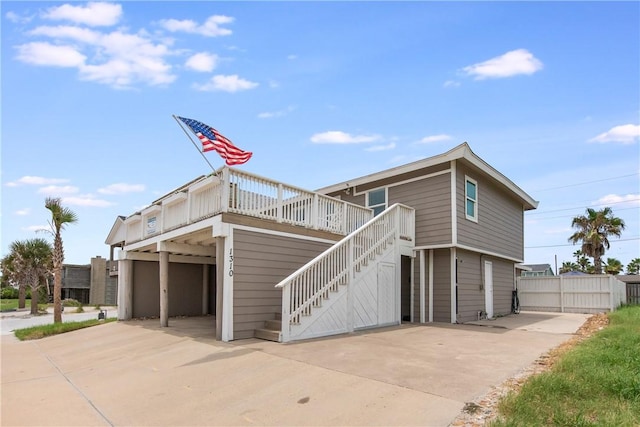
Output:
(571, 294)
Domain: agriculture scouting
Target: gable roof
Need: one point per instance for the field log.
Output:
(462, 151)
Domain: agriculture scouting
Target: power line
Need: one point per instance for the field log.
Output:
(583, 207)
(585, 183)
(569, 216)
(572, 244)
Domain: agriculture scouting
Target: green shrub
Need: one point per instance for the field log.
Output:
(9, 293)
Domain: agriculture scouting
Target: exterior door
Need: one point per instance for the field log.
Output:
(386, 293)
(488, 288)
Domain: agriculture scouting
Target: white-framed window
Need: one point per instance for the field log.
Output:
(377, 200)
(471, 199)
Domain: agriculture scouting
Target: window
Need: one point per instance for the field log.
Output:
(377, 200)
(471, 199)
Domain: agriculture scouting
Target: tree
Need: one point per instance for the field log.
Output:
(593, 231)
(60, 217)
(634, 266)
(31, 264)
(14, 277)
(582, 262)
(613, 266)
(569, 266)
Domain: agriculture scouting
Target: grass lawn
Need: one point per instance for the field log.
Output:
(37, 332)
(12, 304)
(596, 383)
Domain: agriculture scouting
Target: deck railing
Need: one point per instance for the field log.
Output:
(235, 191)
(312, 283)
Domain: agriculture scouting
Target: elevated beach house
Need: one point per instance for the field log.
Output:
(436, 240)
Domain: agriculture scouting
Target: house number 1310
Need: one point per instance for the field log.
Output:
(230, 262)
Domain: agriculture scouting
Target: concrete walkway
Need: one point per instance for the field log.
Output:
(137, 374)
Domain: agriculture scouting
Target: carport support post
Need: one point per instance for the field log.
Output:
(219, 285)
(164, 289)
(205, 289)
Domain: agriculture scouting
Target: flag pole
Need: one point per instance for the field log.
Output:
(194, 144)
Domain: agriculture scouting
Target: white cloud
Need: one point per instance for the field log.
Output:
(37, 228)
(451, 83)
(37, 180)
(57, 190)
(80, 34)
(628, 200)
(45, 54)
(210, 28)
(86, 200)
(94, 14)
(292, 57)
(121, 188)
(512, 63)
(17, 19)
(223, 83)
(390, 146)
(339, 137)
(23, 212)
(205, 62)
(274, 114)
(434, 138)
(117, 58)
(626, 134)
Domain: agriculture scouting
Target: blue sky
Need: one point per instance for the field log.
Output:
(548, 93)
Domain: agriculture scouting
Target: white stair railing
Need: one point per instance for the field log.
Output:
(307, 287)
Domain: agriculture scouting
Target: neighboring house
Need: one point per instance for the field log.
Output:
(437, 240)
(94, 283)
(536, 270)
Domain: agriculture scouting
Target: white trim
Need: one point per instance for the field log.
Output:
(205, 183)
(454, 206)
(133, 218)
(470, 249)
(153, 256)
(283, 234)
(406, 181)
(227, 289)
(413, 291)
(422, 286)
(462, 151)
(468, 179)
(386, 198)
(431, 286)
(454, 315)
(187, 229)
(151, 209)
(175, 198)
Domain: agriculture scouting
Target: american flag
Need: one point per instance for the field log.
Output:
(212, 140)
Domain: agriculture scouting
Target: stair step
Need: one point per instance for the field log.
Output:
(274, 325)
(267, 334)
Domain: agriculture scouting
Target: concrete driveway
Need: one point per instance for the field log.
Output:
(137, 374)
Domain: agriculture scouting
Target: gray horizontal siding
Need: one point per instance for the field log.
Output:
(441, 286)
(470, 292)
(431, 198)
(261, 261)
(500, 226)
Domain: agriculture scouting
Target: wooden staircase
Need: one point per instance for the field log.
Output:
(271, 330)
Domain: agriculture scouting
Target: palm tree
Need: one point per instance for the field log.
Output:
(569, 266)
(593, 231)
(613, 266)
(32, 264)
(60, 216)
